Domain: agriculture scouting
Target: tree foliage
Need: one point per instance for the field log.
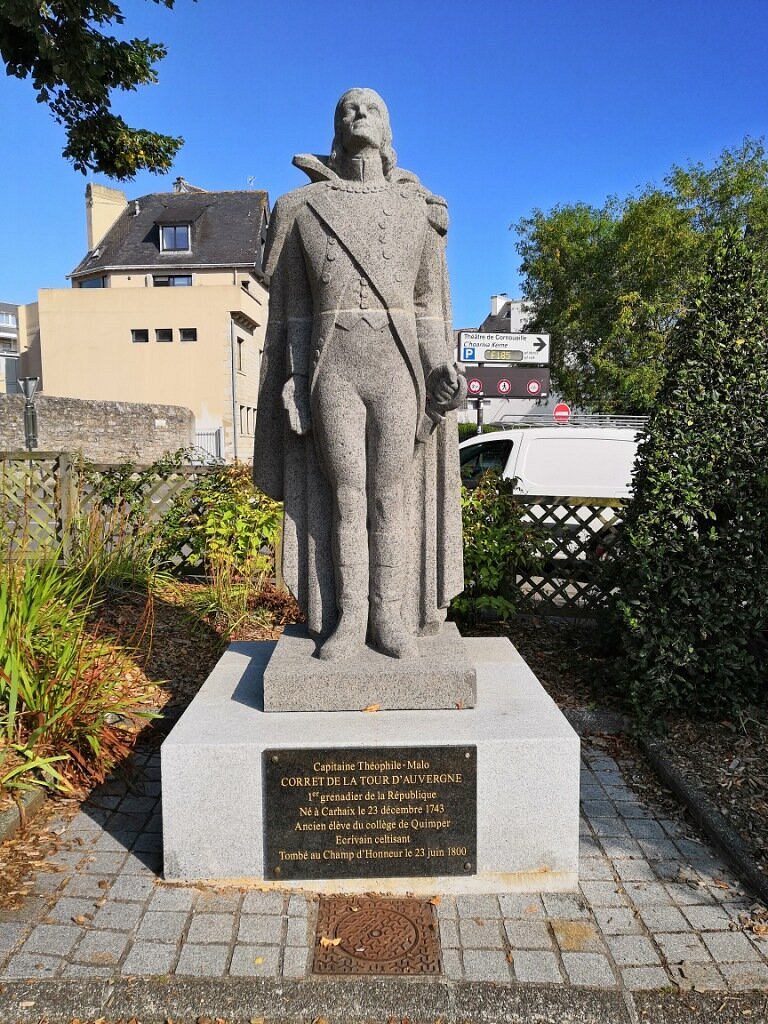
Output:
(692, 565)
(75, 67)
(609, 283)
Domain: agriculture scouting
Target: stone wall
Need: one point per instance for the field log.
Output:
(100, 431)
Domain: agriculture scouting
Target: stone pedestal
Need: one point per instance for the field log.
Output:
(441, 677)
(527, 775)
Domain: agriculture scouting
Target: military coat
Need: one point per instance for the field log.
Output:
(322, 238)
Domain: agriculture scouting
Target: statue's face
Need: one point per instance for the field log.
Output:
(361, 115)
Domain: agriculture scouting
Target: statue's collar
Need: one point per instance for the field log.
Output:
(317, 169)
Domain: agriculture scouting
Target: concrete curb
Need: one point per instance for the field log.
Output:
(11, 820)
(361, 1001)
(594, 722)
(706, 815)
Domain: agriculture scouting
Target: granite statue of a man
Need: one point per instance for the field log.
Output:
(355, 430)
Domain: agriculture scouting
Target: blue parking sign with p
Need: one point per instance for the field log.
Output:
(468, 354)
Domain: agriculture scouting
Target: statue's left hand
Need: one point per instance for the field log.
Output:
(444, 386)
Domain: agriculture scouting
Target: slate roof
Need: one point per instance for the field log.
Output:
(227, 229)
(502, 322)
(498, 324)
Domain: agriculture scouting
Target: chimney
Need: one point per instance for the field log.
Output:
(498, 302)
(103, 206)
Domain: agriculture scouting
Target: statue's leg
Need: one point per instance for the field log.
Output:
(338, 419)
(391, 431)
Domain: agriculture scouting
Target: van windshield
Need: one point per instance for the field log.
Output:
(477, 459)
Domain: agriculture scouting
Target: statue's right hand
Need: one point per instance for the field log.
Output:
(296, 402)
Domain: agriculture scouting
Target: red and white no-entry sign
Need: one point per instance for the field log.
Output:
(474, 386)
(533, 387)
(504, 386)
(562, 412)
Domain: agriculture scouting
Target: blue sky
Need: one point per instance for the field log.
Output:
(500, 107)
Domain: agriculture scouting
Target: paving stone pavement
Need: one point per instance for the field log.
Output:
(655, 908)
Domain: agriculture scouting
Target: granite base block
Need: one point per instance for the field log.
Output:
(527, 775)
(441, 677)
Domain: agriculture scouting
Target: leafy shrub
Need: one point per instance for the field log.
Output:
(215, 516)
(223, 518)
(497, 544)
(692, 562)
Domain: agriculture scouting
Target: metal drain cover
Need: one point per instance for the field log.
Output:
(376, 935)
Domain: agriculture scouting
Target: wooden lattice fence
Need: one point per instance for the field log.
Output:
(34, 500)
(578, 535)
(43, 496)
(46, 496)
(149, 496)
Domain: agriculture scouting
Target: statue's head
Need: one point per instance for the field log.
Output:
(360, 122)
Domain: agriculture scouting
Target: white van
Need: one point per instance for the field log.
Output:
(594, 462)
(562, 462)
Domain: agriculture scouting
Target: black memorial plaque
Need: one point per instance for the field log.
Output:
(363, 812)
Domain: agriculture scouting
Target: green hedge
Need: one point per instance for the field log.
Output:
(692, 564)
(470, 430)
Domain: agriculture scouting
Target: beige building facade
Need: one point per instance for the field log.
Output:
(168, 307)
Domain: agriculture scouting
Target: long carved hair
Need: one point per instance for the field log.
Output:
(388, 154)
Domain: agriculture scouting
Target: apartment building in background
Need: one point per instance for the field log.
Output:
(168, 306)
(9, 347)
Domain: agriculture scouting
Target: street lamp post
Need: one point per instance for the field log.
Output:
(29, 387)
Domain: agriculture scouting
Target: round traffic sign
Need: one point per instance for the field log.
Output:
(504, 386)
(561, 412)
(474, 386)
(533, 387)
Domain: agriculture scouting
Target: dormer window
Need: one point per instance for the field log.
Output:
(174, 237)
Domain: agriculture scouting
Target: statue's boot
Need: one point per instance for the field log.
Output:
(348, 638)
(388, 632)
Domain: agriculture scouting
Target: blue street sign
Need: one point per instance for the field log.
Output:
(467, 355)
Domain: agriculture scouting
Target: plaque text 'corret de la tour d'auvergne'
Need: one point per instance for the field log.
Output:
(370, 811)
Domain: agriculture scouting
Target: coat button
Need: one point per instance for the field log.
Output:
(326, 279)
(398, 276)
